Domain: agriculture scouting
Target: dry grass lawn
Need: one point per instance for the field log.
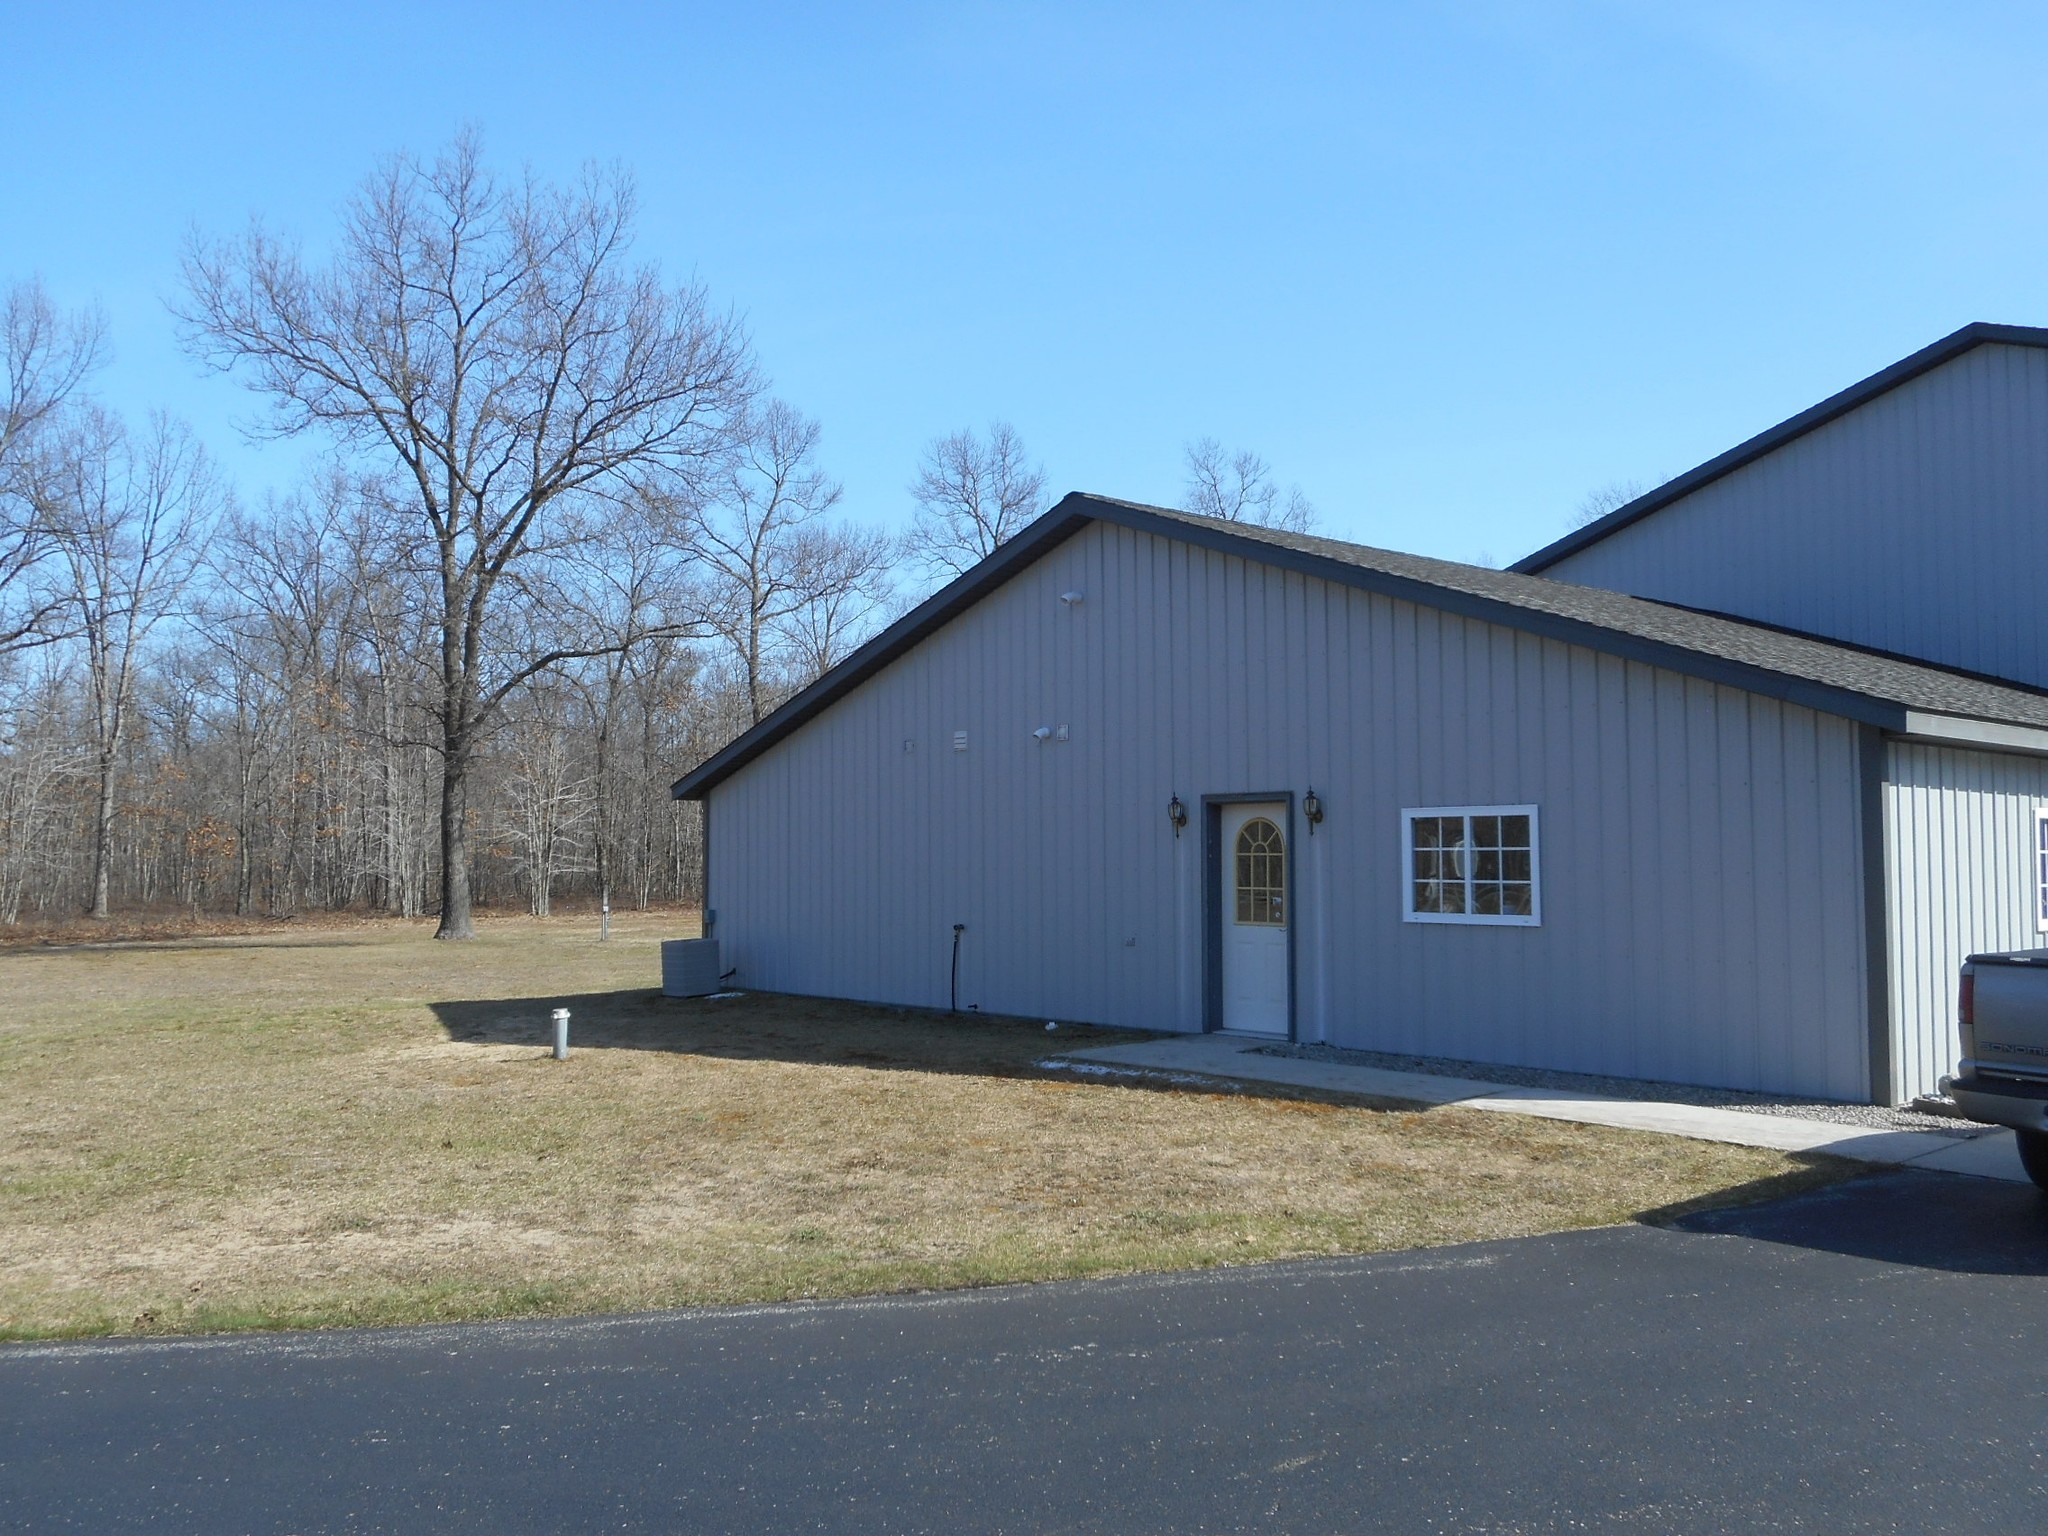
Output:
(318, 1126)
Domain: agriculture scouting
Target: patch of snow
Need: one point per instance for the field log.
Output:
(1099, 1069)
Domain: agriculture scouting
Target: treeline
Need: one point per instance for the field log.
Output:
(234, 711)
(564, 544)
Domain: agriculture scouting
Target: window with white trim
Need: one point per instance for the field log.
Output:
(2041, 869)
(1476, 864)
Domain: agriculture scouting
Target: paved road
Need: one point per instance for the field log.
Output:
(1870, 1358)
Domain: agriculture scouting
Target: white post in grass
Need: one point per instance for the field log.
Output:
(604, 930)
(561, 1034)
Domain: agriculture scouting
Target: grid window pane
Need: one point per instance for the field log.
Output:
(1440, 860)
(1261, 881)
(1483, 864)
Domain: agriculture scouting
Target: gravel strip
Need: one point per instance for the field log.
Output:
(1873, 1116)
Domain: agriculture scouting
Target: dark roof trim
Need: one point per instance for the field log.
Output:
(1077, 510)
(1978, 334)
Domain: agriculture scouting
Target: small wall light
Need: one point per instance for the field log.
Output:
(1312, 809)
(1177, 814)
(1072, 598)
(1043, 733)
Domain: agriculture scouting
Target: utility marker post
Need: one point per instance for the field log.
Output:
(561, 1034)
(604, 930)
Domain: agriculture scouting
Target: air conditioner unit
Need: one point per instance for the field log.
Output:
(689, 967)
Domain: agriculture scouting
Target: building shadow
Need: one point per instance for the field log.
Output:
(760, 1026)
(1926, 1220)
(766, 1026)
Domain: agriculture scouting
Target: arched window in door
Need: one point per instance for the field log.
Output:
(1261, 874)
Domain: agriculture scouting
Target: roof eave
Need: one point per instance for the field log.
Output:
(1078, 509)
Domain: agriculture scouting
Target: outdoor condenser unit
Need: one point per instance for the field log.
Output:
(689, 967)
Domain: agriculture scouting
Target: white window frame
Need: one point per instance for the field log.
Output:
(1476, 919)
(2039, 855)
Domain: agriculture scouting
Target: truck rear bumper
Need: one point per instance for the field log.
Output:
(2000, 1101)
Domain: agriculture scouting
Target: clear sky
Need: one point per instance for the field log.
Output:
(1448, 267)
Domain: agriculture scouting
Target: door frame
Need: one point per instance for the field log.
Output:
(1212, 903)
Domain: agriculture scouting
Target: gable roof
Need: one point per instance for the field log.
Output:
(1926, 359)
(1876, 689)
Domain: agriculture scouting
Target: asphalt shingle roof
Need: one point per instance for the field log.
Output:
(1861, 684)
(1914, 685)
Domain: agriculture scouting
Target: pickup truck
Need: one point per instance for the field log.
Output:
(2002, 1011)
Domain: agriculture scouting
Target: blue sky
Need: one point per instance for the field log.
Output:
(1448, 267)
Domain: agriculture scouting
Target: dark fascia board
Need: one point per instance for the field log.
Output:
(1981, 333)
(1076, 510)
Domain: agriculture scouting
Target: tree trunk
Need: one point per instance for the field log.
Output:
(456, 921)
(103, 839)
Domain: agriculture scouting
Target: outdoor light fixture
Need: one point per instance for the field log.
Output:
(1311, 808)
(1177, 814)
(1072, 598)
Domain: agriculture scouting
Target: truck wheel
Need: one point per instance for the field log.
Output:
(2034, 1155)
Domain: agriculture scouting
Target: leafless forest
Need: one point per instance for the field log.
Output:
(562, 542)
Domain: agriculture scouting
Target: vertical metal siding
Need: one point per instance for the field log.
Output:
(1894, 526)
(1959, 827)
(1700, 849)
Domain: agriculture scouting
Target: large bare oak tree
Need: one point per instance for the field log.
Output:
(492, 348)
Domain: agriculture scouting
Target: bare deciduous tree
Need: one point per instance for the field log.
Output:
(972, 496)
(45, 358)
(128, 524)
(1597, 504)
(783, 580)
(546, 802)
(490, 345)
(751, 532)
(1239, 488)
(850, 585)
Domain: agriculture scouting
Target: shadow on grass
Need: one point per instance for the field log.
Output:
(766, 1026)
(1925, 1220)
(762, 1026)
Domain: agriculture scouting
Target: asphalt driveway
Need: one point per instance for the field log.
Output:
(1873, 1357)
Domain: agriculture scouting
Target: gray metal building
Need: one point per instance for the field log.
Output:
(1906, 514)
(1147, 769)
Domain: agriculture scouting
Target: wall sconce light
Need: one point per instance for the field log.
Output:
(1312, 809)
(1177, 814)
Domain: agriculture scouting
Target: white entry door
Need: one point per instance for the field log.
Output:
(1255, 917)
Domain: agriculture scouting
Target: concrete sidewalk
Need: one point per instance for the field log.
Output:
(1992, 1155)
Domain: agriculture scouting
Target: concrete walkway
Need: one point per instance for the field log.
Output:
(1992, 1155)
